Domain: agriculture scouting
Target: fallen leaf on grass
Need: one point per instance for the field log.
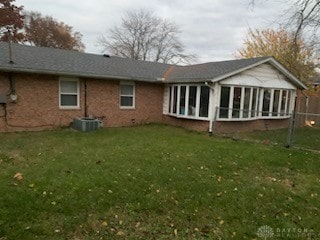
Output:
(120, 234)
(18, 176)
(219, 194)
(137, 224)
(271, 179)
(104, 224)
(175, 232)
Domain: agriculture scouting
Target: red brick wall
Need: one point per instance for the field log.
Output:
(187, 123)
(103, 101)
(229, 126)
(37, 106)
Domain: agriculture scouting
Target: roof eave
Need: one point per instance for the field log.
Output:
(80, 75)
(188, 80)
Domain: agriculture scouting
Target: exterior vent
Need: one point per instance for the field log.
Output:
(86, 124)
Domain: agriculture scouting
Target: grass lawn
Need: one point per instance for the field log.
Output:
(153, 182)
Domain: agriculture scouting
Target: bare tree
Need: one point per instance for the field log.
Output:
(305, 19)
(143, 36)
(302, 17)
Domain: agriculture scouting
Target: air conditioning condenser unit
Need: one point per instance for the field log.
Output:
(86, 124)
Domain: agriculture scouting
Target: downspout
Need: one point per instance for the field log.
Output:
(13, 96)
(85, 98)
(211, 121)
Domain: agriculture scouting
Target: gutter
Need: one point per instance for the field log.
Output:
(211, 121)
(68, 74)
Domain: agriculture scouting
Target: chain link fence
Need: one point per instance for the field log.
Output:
(304, 131)
(299, 130)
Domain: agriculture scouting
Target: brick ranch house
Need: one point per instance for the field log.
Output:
(44, 88)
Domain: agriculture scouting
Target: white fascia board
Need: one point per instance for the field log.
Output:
(285, 72)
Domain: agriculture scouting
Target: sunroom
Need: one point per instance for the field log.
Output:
(262, 92)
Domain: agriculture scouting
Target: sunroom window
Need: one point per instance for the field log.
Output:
(204, 101)
(246, 102)
(254, 102)
(238, 102)
(224, 102)
(190, 101)
(182, 105)
(266, 102)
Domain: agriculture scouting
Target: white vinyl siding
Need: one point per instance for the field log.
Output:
(262, 76)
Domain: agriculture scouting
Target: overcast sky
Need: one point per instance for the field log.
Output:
(211, 29)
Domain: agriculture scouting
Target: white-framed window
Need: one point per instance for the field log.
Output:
(239, 102)
(189, 101)
(127, 95)
(69, 97)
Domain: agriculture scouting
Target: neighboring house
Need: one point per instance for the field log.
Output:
(316, 83)
(44, 87)
(308, 107)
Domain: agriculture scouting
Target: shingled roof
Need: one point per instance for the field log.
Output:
(42, 60)
(72, 63)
